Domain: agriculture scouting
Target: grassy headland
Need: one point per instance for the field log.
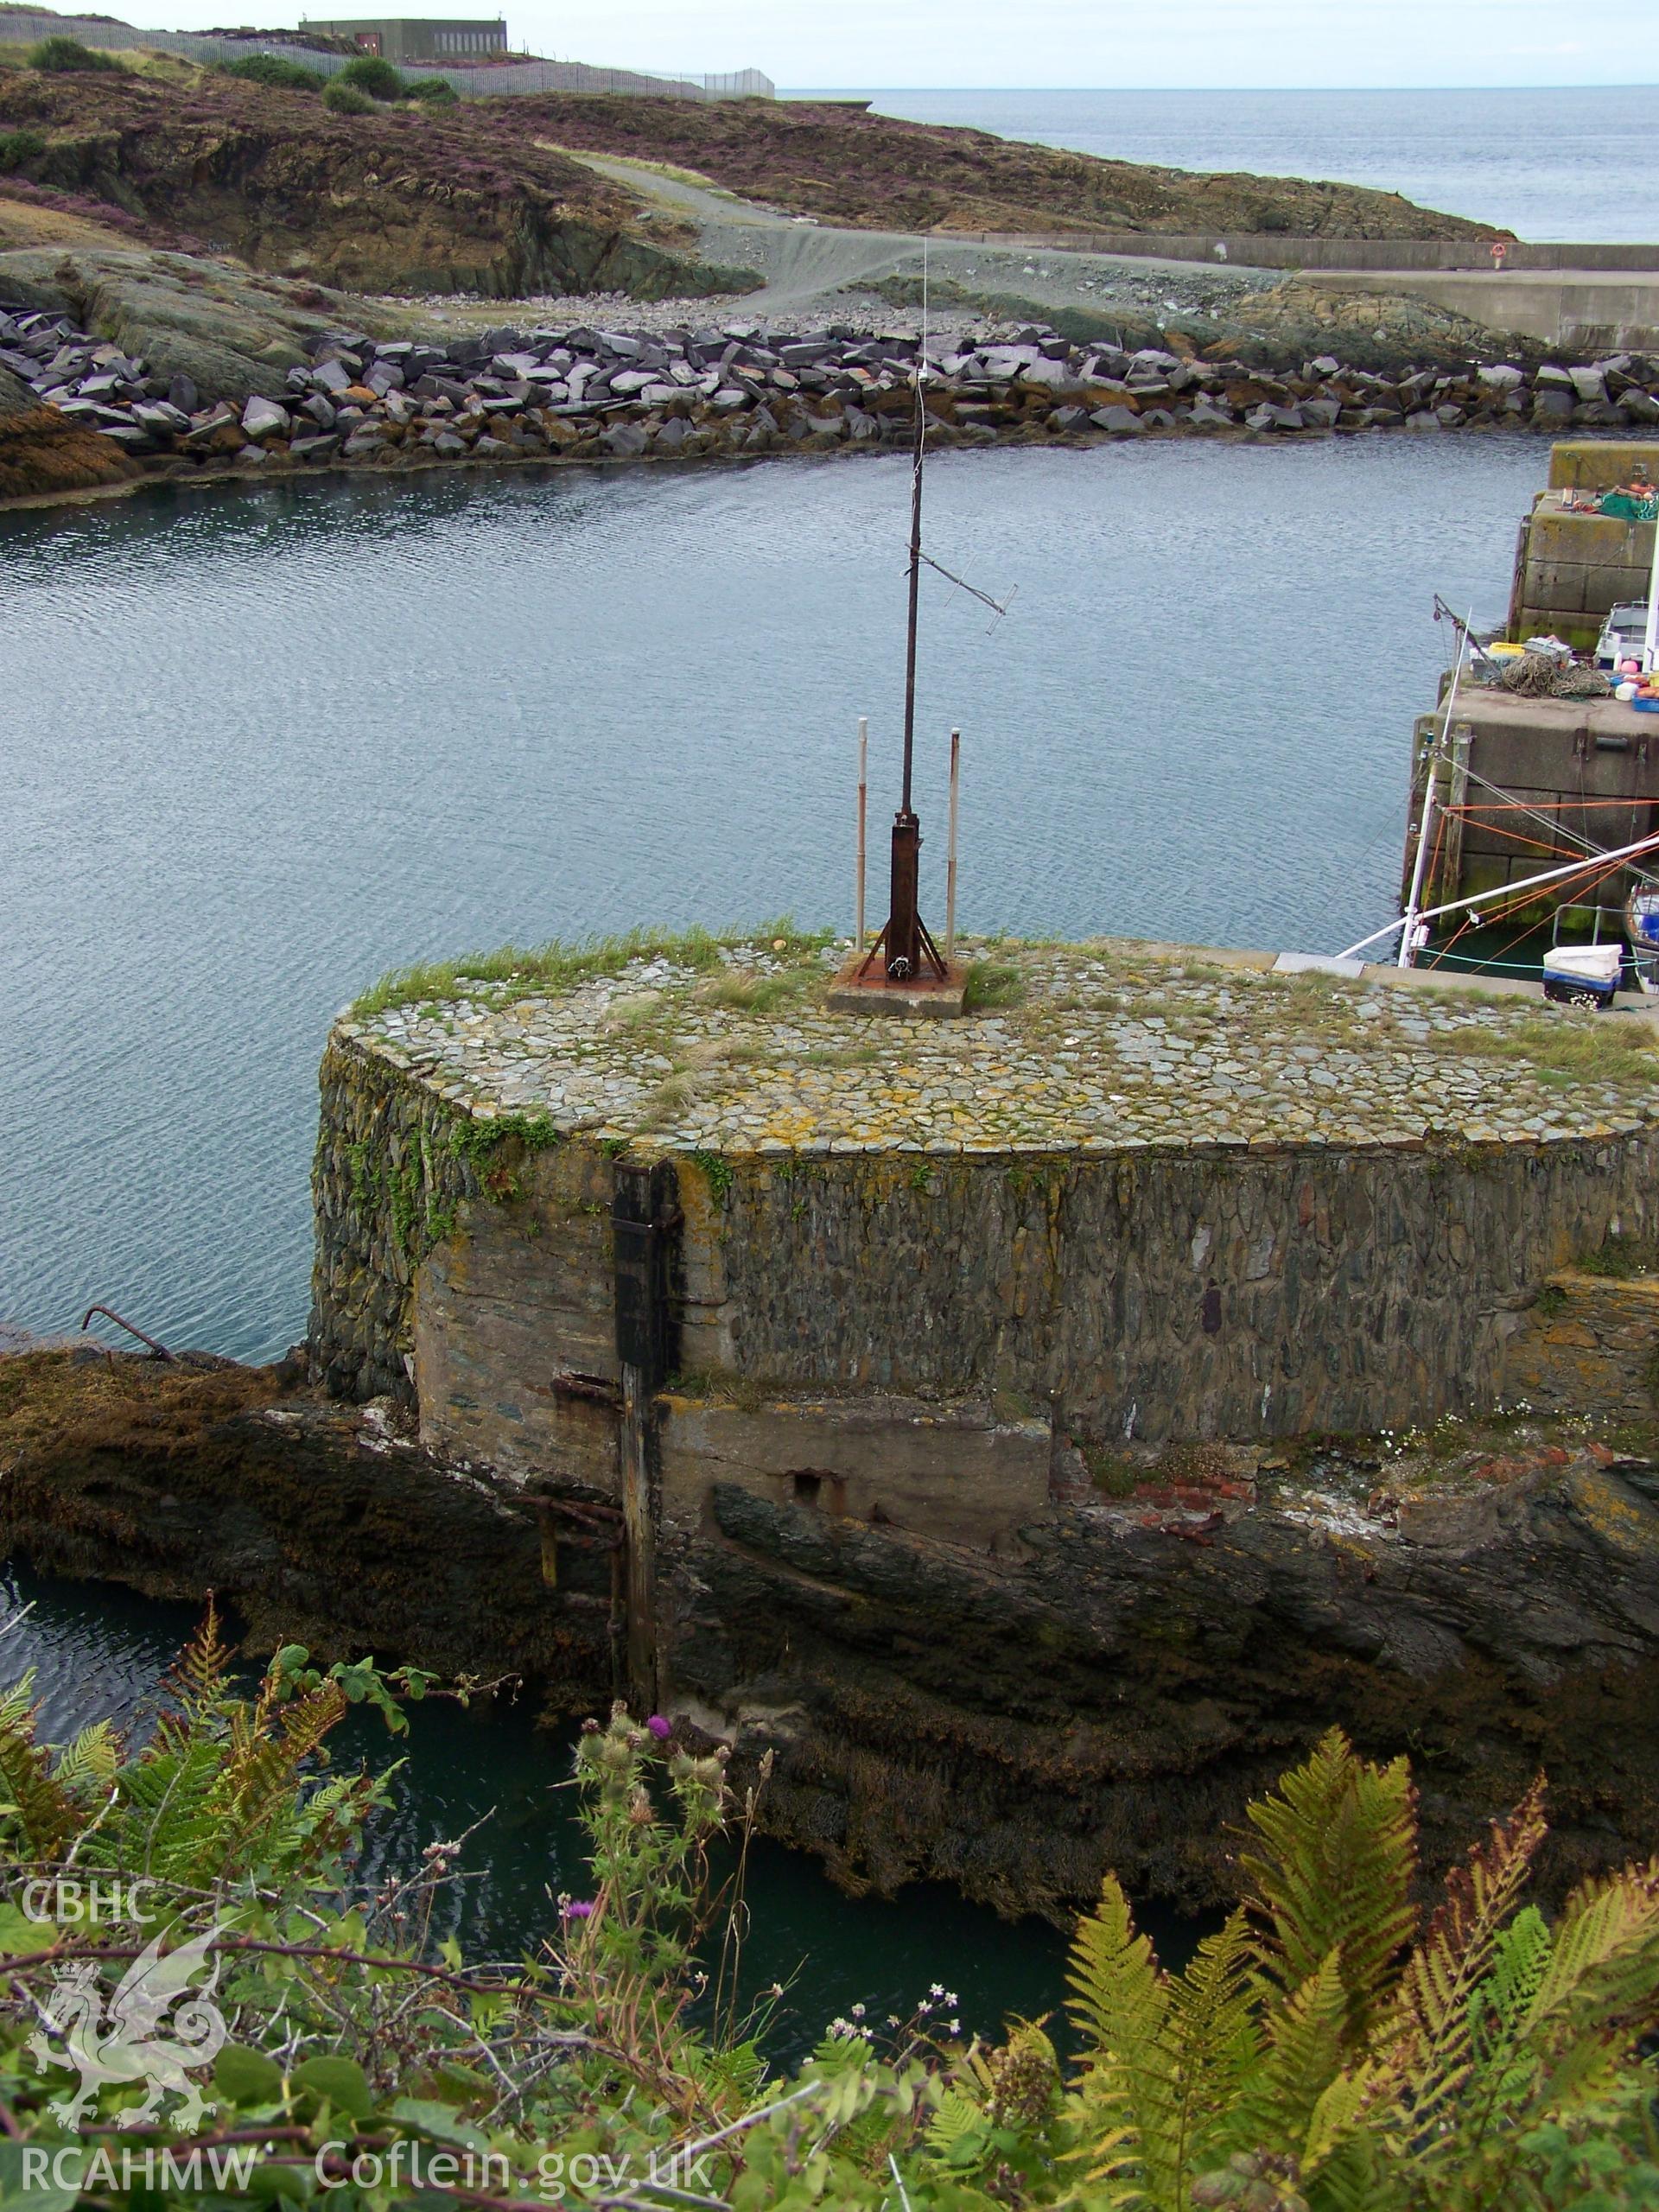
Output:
(479, 195)
(880, 171)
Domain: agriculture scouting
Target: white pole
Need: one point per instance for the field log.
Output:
(863, 791)
(1650, 636)
(1505, 890)
(950, 850)
(1408, 919)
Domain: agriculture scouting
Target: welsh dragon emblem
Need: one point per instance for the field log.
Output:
(119, 2043)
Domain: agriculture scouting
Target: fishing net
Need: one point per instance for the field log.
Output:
(1535, 675)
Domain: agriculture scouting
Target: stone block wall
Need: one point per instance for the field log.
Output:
(380, 1180)
(951, 1471)
(1163, 1296)
(1154, 1294)
(1589, 1344)
(514, 1327)
(1571, 568)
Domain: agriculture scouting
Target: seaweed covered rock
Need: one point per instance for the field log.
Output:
(42, 453)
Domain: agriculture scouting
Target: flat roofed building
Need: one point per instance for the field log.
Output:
(420, 38)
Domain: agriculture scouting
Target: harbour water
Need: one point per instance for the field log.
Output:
(98, 1653)
(257, 746)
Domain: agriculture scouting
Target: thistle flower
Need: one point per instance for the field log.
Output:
(661, 1729)
(578, 1908)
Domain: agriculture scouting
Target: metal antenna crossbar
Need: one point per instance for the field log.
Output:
(998, 607)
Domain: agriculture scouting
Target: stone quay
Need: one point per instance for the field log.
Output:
(1011, 1339)
(1016, 1435)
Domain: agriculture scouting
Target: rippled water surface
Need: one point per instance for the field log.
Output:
(257, 746)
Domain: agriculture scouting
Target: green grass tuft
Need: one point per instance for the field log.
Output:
(373, 74)
(1587, 1048)
(60, 53)
(1620, 1258)
(559, 967)
(341, 98)
(992, 983)
(275, 70)
(18, 147)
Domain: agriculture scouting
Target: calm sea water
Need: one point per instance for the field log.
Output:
(100, 1651)
(257, 747)
(1578, 163)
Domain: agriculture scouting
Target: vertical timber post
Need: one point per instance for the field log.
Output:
(863, 798)
(643, 1218)
(951, 848)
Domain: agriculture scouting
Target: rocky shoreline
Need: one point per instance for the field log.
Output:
(740, 389)
(1111, 1696)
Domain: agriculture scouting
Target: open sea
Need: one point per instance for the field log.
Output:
(1581, 164)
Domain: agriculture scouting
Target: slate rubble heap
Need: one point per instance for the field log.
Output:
(738, 388)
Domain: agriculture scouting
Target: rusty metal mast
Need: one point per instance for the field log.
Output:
(906, 945)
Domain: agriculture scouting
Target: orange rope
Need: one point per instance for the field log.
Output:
(1520, 837)
(1536, 807)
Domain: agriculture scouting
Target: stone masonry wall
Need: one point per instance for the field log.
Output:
(382, 1185)
(1572, 569)
(1159, 1295)
(1145, 1294)
(1589, 1345)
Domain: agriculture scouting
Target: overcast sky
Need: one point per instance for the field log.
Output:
(862, 44)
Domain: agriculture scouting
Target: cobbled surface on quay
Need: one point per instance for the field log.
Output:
(1110, 1046)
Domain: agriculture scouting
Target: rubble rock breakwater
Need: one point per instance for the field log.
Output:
(739, 389)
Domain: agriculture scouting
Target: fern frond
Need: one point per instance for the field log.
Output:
(1600, 1979)
(1336, 1874)
(1306, 2035)
(957, 2120)
(260, 1771)
(162, 1824)
(45, 1812)
(196, 1681)
(1429, 2037)
(1124, 2106)
(1334, 2122)
(1213, 2036)
(1118, 1999)
(86, 1767)
(1520, 1956)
